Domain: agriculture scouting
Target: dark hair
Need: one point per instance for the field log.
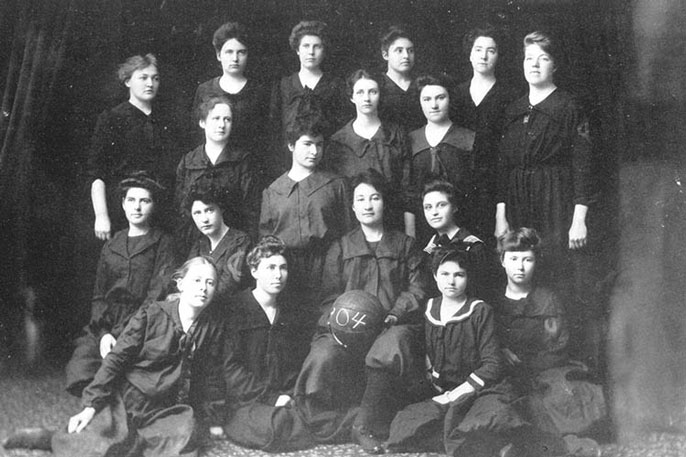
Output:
(455, 252)
(182, 271)
(308, 124)
(302, 28)
(134, 63)
(208, 105)
(391, 34)
(268, 246)
(441, 79)
(487, 30)
(521, 239)
(444, 187)
(360, 74)
(373, 178)
(144, 180)
(228, 31)
(207, 192)
(547, 43)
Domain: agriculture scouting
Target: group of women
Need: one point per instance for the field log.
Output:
(392, 345)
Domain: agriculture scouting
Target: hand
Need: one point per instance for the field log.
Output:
(390, 320)
(442, 399)
(107, 342)
(577, 235)
(510, 357)
(283, 400)
(216, 432)
(79, 422)
(501, 224)
(103, 227)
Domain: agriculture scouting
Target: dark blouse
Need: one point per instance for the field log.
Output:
(544, 165)
(465, 348)
(289, 98)
(233, 172)
(127, 140)
(392, 271)
(229, 257)
(128, 276)
(399, 106)
(261, 360)
(250, 111)
(486, 120)
(534, 329)
(153, 354)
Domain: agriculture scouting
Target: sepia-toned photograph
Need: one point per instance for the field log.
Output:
(310, 228)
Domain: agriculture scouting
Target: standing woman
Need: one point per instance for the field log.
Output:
(249, 99)
(440, 150)
(480, 105)
(132, 271)
(131, 136)
(544, 176)
(367, 142)
(309, 91)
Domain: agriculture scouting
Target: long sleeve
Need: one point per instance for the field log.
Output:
(98, 323)
(333, 277)
(412, 300)
(267, 217)
(242, 386)
(490, 370)
(582, 150)
(165, 261)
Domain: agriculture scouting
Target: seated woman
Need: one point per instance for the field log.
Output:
(464, 407)
(440, 150)
(367, 142)
(226, 246)
(531, 324)
(264, 350)
(388, 265)
(147, 398)
(218, 162)
(133, 270)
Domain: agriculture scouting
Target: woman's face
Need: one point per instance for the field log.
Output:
(198, 285)
(138, 206)
(144, 84)
(435, 101)
(519, 266)
(539, 66)
(366, 96)
(311, 52)
(484, 55)
(208, 218)
(271, 274)
(400, 56)
(217, 124)
(451, 280)
(368, 205)
(438, 211)
(233, 57)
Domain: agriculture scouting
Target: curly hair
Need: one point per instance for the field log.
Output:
(314, 28)
(268, 246)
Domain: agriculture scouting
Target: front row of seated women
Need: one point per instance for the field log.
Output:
(465, 378)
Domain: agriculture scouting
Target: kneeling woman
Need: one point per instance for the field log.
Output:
(263, 353)
(133, 270)
(147, 398)
(531, 324)
(386, 264)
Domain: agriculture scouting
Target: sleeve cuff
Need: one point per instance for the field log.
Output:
(476, 382)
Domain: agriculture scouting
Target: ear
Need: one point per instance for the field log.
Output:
(384, 54)
(291, 147)
(253, 272)
(202, 123)
(127, 83)
(179, 282)
(218, 56)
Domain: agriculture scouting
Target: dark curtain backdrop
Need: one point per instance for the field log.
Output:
(57, 72)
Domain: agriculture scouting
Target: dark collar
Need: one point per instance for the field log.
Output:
(456, 136)
(355, 245)
(229, 241)
(318, 179)
(118, 242)
(386, 135)
(197, 159)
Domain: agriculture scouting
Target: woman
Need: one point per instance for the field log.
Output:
(367, 142)
(309, 91)
(249, 99)
(545, 180)
(132, 271)
(384, 263)
(129, 137)
(480, 105)
(148, 394)
(440, 150)
(532, 327)
(216, 162)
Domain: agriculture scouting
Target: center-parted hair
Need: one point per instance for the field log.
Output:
(518, 240)
(306, 124)
(144, 180)
(229, 31)
(361, 74)
(440, 79)
(208, 105)
(455, 252)
(182, 271)
(486, 30)
(372, 178)
(268, 246)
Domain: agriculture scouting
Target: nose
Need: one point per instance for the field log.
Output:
(535, 63)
